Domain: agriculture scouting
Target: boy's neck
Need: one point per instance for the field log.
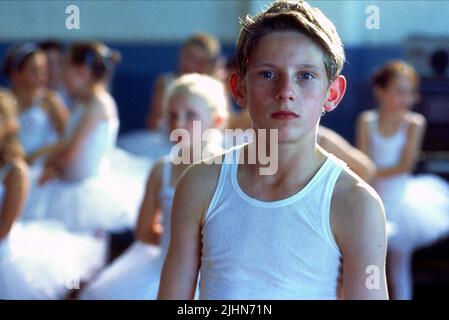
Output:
(296, 160)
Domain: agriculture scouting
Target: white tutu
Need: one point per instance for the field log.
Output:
(41, 260)
(108, 202)
(82, 206)
(101, 188)
(418, 206)
(28, 213)
(152, 144)
(127, 181)
(134, 275)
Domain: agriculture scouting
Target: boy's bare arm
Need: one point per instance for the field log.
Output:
(182, 263)
(358, 222)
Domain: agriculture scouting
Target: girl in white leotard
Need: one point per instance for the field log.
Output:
(135, 274)
(94, 192)
(418, 206)
(38, 260)
(42, 115)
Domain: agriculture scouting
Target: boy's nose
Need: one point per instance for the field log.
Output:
(285, 90)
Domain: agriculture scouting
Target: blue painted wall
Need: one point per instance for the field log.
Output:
(141, 63)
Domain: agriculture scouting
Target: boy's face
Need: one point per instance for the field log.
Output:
(286, 85)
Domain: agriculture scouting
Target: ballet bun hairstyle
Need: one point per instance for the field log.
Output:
(51, 44)
(10, 147)
(385, 74)
(100, 59)
(17, 56)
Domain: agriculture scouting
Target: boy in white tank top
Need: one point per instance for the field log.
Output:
(286, 234)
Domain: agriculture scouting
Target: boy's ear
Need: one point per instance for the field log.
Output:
(335, 93)
(238, 90)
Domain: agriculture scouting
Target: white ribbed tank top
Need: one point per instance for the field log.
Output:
(285, 249)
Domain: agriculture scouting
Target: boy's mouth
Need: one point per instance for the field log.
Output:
(284, 115)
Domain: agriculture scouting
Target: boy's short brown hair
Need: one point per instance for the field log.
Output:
(292, 16)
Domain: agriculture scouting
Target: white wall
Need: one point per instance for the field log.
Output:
(398, 19)
(121, 20)
(174, 20)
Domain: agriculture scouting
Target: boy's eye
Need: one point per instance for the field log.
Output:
(306, 76)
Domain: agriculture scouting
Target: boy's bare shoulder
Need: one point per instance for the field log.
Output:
(199, 181)
(206, 171)
(354, 200)
(357, 215)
